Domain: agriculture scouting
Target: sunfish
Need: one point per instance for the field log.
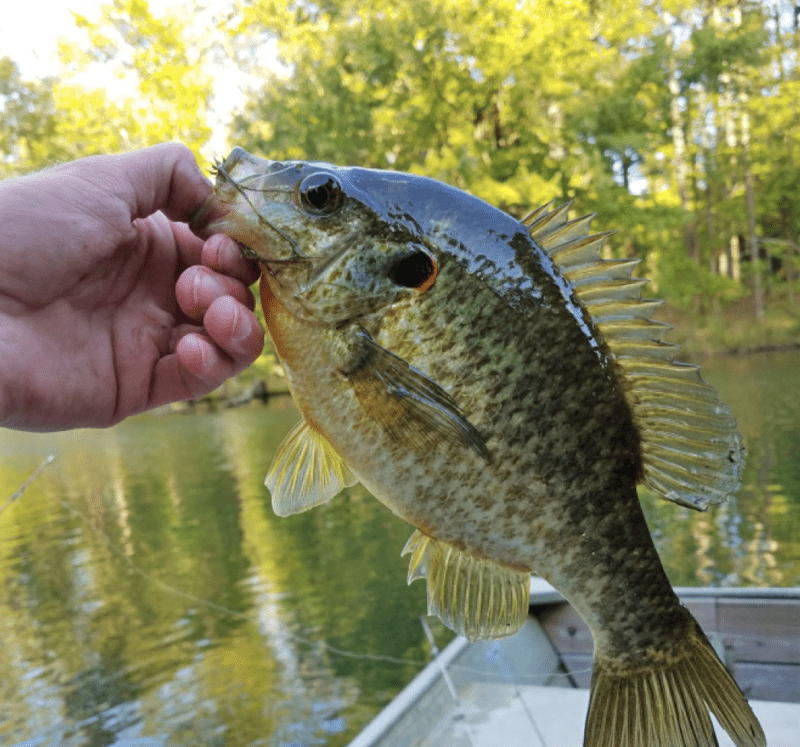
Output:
(502, 388)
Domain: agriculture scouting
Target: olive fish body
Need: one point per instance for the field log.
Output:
(502, 388)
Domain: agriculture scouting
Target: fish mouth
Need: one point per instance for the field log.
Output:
(214, 209)
(215, 216)
(233, 158)
(244, 184)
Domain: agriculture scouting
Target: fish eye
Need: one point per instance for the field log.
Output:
(417, 271)
(320, 194)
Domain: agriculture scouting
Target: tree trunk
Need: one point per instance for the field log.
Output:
(736, 258)
(752, 236)
(705, 147)
(679, 161)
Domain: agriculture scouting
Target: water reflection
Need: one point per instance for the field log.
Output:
(149, 595)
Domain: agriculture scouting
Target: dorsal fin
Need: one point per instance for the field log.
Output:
(474, 596)
(692, 453)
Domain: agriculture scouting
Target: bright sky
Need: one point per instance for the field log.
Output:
(30, 31)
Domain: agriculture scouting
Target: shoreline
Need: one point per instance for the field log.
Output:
(730, 331)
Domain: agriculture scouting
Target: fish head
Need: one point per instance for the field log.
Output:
(327, 240)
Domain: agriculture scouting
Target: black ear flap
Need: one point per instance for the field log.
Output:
(417, 271)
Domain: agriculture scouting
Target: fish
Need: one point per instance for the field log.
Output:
(503, 389)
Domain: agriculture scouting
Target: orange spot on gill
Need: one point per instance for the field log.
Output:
(430, 280)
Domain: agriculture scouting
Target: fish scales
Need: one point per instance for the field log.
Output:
(532, 417)
(506, 405)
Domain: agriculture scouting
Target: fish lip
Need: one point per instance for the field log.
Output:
(213, 208)
(231, 160)
(224, 212)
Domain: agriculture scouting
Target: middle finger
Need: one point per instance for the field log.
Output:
(198, 287)
(223, 254)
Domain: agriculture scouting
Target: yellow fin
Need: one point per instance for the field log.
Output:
(578, 250)
(476, 597)
(411, 408)
(545, 221)
(667, 704)
(692, 453)
(305, 472)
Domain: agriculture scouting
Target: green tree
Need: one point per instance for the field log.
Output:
(49, 121)
(481, 95)
(28, 119)
(161, 60)
(654, 115)
(164, 92)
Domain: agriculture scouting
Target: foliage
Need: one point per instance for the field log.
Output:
(656, 115)
(161, 92)
(164, 60)
(676, 122)
(27, 118)
(477, 95)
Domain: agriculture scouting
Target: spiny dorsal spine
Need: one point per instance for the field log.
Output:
(692, 452)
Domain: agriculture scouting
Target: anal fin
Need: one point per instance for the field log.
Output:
(305, 472)
(474, 596)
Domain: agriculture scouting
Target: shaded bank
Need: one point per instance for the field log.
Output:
(731, 330)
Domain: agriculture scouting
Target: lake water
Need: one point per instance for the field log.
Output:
(148, 595)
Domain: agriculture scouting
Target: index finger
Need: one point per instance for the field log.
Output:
(220, 253)
(223, 254)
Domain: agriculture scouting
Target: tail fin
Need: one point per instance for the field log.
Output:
(667, 704)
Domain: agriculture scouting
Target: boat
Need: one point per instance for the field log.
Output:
(531, 690)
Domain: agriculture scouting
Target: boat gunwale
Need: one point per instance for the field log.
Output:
(542, 594)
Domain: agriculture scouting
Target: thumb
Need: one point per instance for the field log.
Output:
(163, 177)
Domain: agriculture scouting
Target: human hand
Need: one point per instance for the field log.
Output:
(105, 310)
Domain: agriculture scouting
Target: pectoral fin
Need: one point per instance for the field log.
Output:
(305, 472)
(411, 408)
(476, 597)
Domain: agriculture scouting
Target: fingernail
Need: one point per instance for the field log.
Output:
(205, 285)
(192, 343)
(214, 250)
(242, 325)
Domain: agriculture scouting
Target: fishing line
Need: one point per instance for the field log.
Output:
(169, 588)
(21, 489)
(530, 678)
(460, 713)
(219, 169)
